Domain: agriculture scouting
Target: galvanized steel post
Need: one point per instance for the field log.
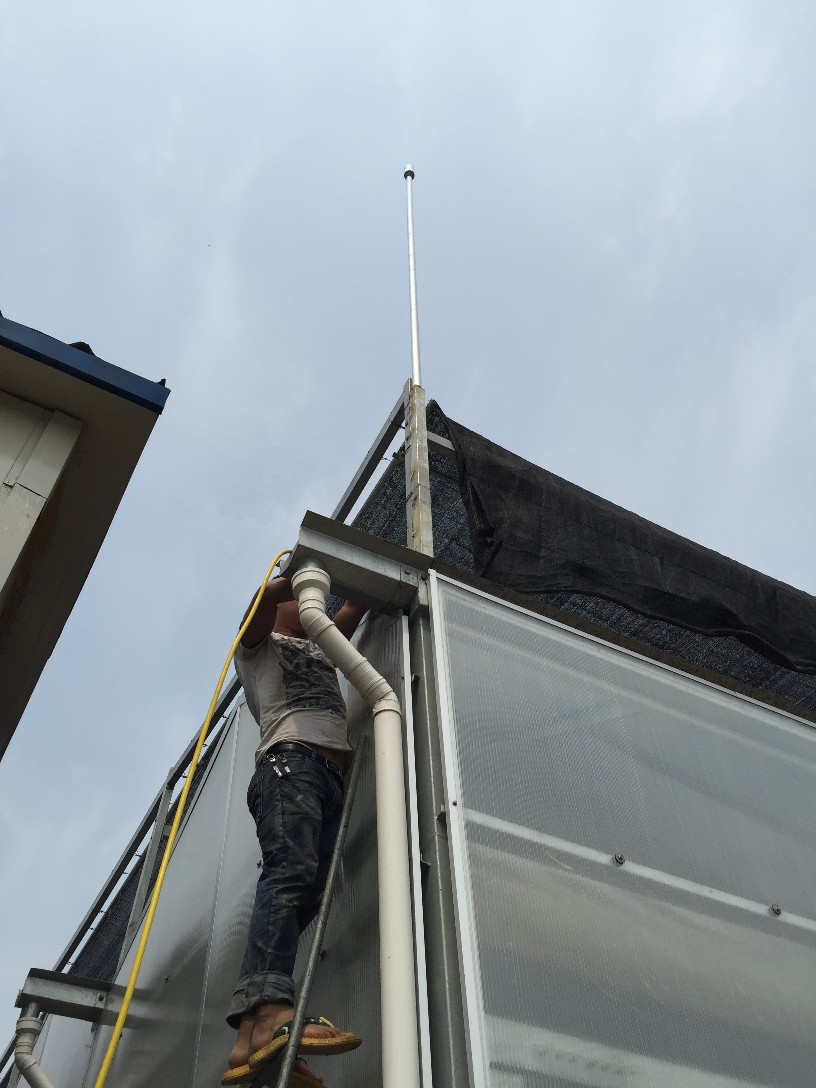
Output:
(417, 471)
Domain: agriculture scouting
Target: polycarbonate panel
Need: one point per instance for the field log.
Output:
(667, 967)
(171, 1035)
(176, 1033)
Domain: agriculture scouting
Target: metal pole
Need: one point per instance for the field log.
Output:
(296, 1029)
(416, 377)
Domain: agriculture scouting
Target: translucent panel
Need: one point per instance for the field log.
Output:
(175, 1032)
(667, 967)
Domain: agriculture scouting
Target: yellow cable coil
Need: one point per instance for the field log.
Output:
(154, 899)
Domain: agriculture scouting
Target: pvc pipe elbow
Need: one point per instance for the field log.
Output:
(28, 1028)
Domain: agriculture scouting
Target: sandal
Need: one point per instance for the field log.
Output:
(333, 1044)
(242, 1074)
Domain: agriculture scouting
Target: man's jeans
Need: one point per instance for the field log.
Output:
(297, 817)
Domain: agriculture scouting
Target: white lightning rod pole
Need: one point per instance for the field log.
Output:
(416, 376)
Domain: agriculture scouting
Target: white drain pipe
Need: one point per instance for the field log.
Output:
(28, 1028)
(400, 1049)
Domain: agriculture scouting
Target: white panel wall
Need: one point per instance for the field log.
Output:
(35, 445)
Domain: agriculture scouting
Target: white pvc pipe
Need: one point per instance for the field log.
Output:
(400, 1048)
(28, 1028)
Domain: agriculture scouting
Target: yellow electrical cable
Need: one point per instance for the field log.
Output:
(154, 899)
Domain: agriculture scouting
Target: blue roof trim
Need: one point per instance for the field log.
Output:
(87, 368)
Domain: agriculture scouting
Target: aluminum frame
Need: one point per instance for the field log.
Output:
(460, 869)
(423, 1012)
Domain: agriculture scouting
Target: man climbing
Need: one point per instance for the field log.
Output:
(296, 798)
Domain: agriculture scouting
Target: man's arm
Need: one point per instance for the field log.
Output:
(348, 618)
(276, 592)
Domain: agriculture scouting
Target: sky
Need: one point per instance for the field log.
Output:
(615, 238)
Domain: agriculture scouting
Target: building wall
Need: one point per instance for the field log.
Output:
(175, 1032)
(35, 445)
(620, 834)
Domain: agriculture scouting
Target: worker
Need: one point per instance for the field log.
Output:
(296, 798)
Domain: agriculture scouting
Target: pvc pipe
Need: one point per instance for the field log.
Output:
(28, 1028)
(400, 1046)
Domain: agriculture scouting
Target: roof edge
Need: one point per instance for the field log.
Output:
(79, 364)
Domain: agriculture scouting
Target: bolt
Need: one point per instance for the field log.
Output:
(100, 997)
(258, 864)
(454, 803)
(166, 978)
(619, 859)
(776, 909)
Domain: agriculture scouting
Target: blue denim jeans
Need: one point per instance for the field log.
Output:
(297, 817)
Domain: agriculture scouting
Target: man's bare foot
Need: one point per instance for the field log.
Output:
(239, 1055)
(268, 1018)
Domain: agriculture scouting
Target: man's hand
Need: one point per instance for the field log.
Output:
(275, 592)
(348, 618)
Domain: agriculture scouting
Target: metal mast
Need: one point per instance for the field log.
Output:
(417, 472)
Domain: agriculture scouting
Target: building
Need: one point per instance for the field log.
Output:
(610, 766)
(72, 428)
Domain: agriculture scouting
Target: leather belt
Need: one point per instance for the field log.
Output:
(304, 750)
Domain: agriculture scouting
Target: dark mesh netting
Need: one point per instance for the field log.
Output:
(759, 658)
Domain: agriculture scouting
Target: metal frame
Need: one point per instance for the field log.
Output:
(370, 570)
(388, 433)
(423, 1013)
(468, 955)
(417, 474)
(156, 811)
(376, 453)
(446, 1014)
(67, 995)
(175, 774)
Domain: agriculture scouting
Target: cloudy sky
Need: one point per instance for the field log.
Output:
(615, 242)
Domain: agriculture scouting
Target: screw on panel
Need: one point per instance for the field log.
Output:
(776, 909)
(619, 859)
(454, 803)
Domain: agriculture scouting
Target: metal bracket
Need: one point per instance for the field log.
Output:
(365, 568)
(440, 445)
(70, 995)
(371, 460)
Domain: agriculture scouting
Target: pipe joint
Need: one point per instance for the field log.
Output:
(314, 618)
(389, 704)
(311, 577)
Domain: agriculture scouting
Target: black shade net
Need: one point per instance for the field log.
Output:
(500, 517)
